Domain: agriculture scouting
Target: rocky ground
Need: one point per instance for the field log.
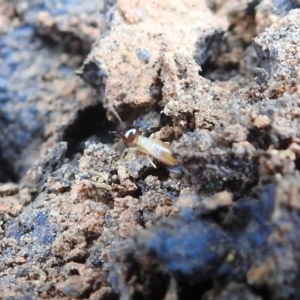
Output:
(219, 80)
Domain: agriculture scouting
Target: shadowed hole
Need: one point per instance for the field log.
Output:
(91, 123)
(7, 173)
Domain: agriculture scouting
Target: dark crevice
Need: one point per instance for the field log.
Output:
(261, 139)
(141, 188)
(110, 296)
(91, 237)
(223, 67)
(79, 259)
(93, 73)
(212, 72)
(65, 42)
(86, 294)
(192, 291)
(161, 172)
(262, 292)
(215, 69)
(91, 123)
(156, 88)
(297, 163)
(248, 185)
(7, 172)
(140, 219)
(283, 144)
(154, 280)
(165, 120)
(207, 47)
(74, 272)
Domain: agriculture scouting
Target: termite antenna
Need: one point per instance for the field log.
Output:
(113, 110)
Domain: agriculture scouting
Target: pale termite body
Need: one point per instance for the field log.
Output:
(151, 147)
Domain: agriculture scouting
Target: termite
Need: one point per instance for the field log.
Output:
(151, 146)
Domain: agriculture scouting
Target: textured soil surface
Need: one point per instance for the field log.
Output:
(219, 81)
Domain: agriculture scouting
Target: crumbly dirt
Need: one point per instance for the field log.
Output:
(219, 80)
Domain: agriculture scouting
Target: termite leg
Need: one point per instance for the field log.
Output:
(152, 163)
(124, 152)
(118, 145)
(127, 150)
(141, 149)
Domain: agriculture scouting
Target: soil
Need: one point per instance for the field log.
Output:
(219, 81)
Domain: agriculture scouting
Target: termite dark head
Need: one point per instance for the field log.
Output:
(128, 134)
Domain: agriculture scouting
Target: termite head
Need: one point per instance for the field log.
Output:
(128, 134)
